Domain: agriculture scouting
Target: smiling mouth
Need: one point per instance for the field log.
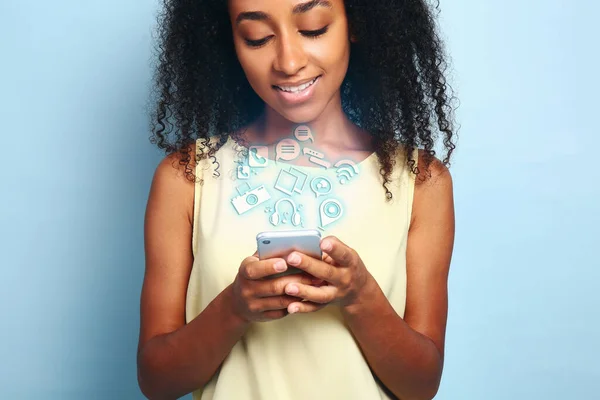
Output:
(297, 89)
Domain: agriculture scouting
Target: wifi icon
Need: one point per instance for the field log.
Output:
(346, 170)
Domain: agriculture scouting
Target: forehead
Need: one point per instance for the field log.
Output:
(261, 9)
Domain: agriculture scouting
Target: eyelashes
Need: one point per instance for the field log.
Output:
(317, 33)
(308, 34)
(255, 43)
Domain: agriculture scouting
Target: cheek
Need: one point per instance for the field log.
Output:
(251, 65)
(255, 68)
(332, 53)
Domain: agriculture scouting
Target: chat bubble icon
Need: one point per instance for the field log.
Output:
(287, 150)
(303, 133)
(320, 186)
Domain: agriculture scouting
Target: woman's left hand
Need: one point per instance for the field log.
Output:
(345, 277)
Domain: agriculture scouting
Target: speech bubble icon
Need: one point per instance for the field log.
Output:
(287, 150)
(320, 186)
(303, 133)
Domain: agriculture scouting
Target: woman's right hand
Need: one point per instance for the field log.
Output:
(258, 298)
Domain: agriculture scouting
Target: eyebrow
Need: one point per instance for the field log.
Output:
(298, 9)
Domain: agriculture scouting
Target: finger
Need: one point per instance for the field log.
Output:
(304, 307)
(317, 282)
(321, 295)
(341, 254)
(255, 269)
(272, 315)
(273, 303)
(276, 286)
(316, 268)
(249, 259)
(327, 258)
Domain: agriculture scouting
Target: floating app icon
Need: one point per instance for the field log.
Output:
(250, 199)
(302, 179)
(312, 152)
(258, 156)
(316, 157)
(344, 174)
(303, 133)
(320, 186)
(331, 210)
(243, 172)
(291, 181)
(275, 218)
(287, 150)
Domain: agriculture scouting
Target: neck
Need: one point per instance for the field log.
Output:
(331, 129)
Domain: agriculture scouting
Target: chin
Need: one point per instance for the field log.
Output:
(303, 115)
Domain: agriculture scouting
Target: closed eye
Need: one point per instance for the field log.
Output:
(309, 34)
(317, 33)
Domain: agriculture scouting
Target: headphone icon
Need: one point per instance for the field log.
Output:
(274, 218)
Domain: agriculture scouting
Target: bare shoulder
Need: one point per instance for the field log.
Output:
(433, 186)
(435, 174)
(171, 181)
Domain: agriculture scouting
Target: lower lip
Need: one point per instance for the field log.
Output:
(299, 97)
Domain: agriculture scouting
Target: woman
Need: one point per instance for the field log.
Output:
(359, 81)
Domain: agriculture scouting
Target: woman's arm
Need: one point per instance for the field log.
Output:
(407, 354)
(175, 358)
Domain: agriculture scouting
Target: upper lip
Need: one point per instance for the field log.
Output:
(298, 83)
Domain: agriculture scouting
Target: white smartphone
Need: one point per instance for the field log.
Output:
(272, 244)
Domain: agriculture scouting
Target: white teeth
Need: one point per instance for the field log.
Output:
(297, 89)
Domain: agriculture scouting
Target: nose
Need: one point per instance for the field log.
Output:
(291, 56)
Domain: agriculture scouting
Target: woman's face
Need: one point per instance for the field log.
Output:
(283, 44)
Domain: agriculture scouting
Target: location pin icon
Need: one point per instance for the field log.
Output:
(331, 210)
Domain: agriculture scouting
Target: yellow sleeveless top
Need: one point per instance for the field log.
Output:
(301, 356)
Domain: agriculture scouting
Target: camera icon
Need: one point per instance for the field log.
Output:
(250, 199)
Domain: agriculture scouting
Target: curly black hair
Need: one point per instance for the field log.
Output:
(394, 88)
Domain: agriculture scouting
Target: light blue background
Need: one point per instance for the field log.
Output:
(76, 169)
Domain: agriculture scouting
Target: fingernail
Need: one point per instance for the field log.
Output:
(291, 289)
(326, 245)
(293, 259)
(294, 309)
(280, 266)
